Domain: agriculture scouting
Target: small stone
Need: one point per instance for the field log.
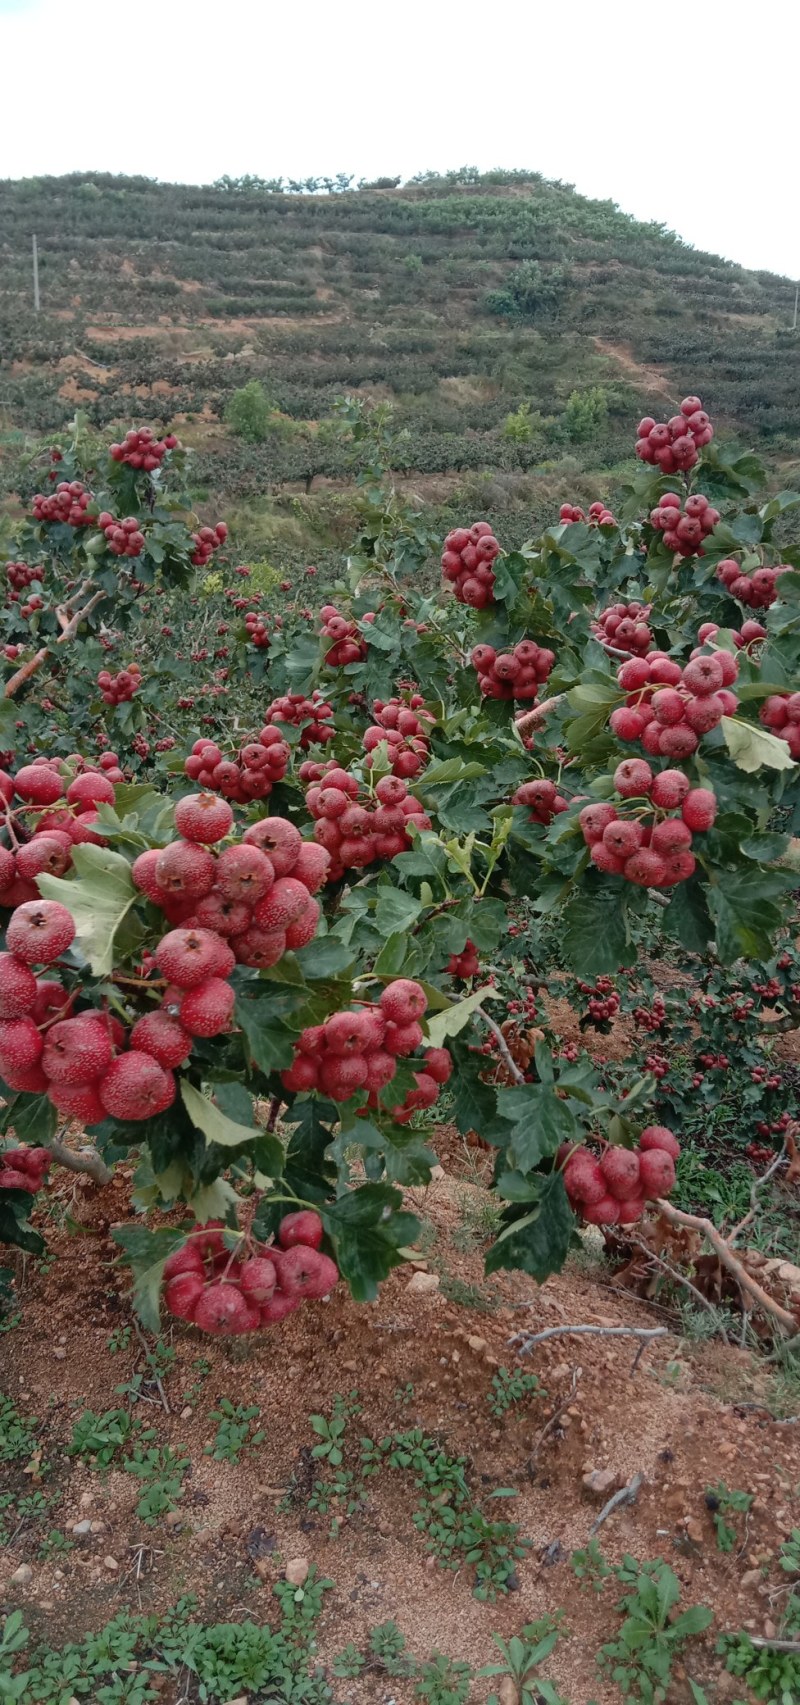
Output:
(601, 1482)
(694, 1530)
(507, 1692)
(187, 1412)
(81, 1527)
(750, 1578)
(173, 1518)
(58, 1574)
(770, 1630)
(97, 1527)
(476, 1344)
(296, 1571)
(420, 1284)
(22, 1576)
(437, 1173)
(350, 1367)
(60, 1353)
(86, 1500)
(111, 1564)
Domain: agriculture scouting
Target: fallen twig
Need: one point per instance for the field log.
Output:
(625, 1495)
(155, 1376)
(763, 1645)
(758, 1184)
(524, 1341)
(681, 1279)
(694, 1222)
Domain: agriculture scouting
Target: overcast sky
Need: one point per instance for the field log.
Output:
(681, 114)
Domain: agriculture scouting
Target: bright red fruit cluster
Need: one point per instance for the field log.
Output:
(655, 853)
(141, 450)
(206, 542)
(34, 603)
(360, 1050)
(228, 1293)
(599, 515)
(464, 964)
(516, 674)
(685, 528)
(668, 708)
(68, 503)
(24, 1168)
(625, 627)
(249, 904)
(124, 538)
(674, 445)
(603, 1002)
(781, 713)
(315, 713)
(613, 1189)
(542, 798)
(257, 630)
(347, 644)
(757, 590)
(22, 574)
(44, 837)
(747, 635)
(467, 559)
(404, 728)
(117, 689)
(252, 774)
(356, 832)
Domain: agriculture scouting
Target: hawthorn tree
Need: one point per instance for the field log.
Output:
(602, 725)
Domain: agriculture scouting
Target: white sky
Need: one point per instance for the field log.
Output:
(685, 114)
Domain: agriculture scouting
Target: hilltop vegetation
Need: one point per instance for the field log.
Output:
(514, 325)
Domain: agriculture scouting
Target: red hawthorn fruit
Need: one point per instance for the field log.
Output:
(136, 1087)
(632, 778)
(403, 1038)
(20, 1044)
(583, 1178)
(279, 839)
(594, 819)
(38, 785)
(207, 1009)
(659, 1137)
(185, 1260)
(44, 854)
(81, 1100)
(77, 1050)
(631, 1210)
(11, 1180)
(203, 817)
(40, 931)
(185, 870)
(244, 873)
(669, 789)
(17, 987)
(183, 1293)
(188, 956)
(656, 1172)
(282, 905)
(163, 1037)
(304, 1227)
(93, 788)
(605, 1212)
(620, 1168)
(439, 1064)
(699, 808)
(224, 1312)
(278, 1307)
(258, 1279)
(259, 948)
(403, 1001)
(304, 1272)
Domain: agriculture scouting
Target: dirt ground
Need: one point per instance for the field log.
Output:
(688, 1418)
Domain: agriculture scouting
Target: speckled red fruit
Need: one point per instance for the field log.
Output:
(258, 1279)
(17, 987)
(303, 929)
(656, 1172)
(278, 1307)
(136, 1087)
(40, 931)
(203, 817)
(183, 1293)
(279, 839)
(188, 956)
(46, 855)
(207, 1009)
(660, 1137)
(38, 785)
(77, 1050)
(312, 865)
(303, 1227)
(286, 900)
(669, 789)
(80, 1100)
(185, 870)
(699, 808)
(185, 1260)
(631, 1210)
(163, 1037)
(439, 1064)
(620, 1168)
(304, 1272)
(11, 1180)
(632, 777)
(583, 1179)
(244, 873)
(20, 1044)
(223, 1311)
(90, 789)
(605, 1212)
(403, 1001)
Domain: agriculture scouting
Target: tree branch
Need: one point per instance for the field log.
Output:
(518, 1076)
(69, 621)
(532, 718)
(89, 1162)
(693, 1222)
(524, 1341)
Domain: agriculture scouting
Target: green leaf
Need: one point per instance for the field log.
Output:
(765, 848)
(270, 1040)
(453, 1018)
(98, 901)
(369, 1233)
(450, 770)
(539, 1122)
(474, 1100)
(395, 910)
(146, 1251)
(687, 916)
(325, 957)
(32, 1118)
(692, 1621)
(537, 1242)
(215, 1125)
(392, 956)
(742, 905)
(15, 1208)
(751, 747)
(595, 937)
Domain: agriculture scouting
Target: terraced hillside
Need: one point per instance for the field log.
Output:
(513, 324)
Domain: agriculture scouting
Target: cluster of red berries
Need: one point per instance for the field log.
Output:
(34, 603)
(47, 849)
(257, 630)
(124, 538)
(228, 1293)
(757, 590)
(613, 1189)
(657, 854)
(24, 1168)
(405, 729)
(770, 1080)
(206, 542)
(599, 515)
(22, 574)
(746, 636)
(347, 644)
(756, 1152)
(314, 716)
(360, 1050)
(117, 689)
(515, 674)
(674, 445)
(69, 503)
(603, 1002)
(625, 627)
(542, 798)
(260, 763)
(668, 707)
(651, 1018)
(250, 904)
(141, 450)
(685, 528)
(356, 833)
(467, 559)
(464, 964)
(774, 1127)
